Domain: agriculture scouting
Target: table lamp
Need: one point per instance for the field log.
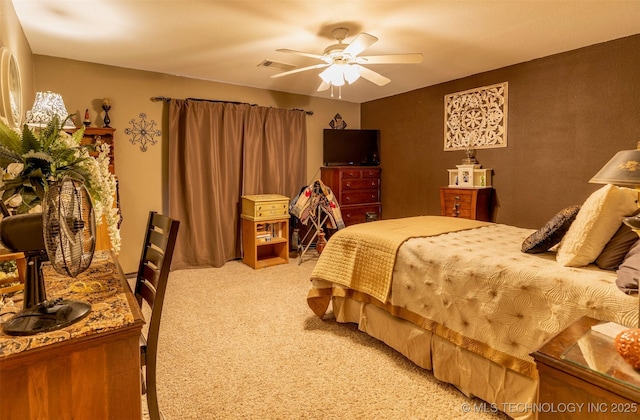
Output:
(46, 106)
(624, 170)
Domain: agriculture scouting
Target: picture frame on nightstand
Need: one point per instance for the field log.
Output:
(470, 176)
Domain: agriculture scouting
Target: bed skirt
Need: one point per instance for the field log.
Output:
(474, 375)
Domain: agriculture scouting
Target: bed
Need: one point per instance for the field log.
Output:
(461, 298)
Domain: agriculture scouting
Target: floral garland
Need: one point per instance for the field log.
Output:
(29, 163)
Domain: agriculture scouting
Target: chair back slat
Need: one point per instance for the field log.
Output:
(149, 277)
(147, 292)
(159, 239)
(151, 284)
(155, 257)
(162, 222)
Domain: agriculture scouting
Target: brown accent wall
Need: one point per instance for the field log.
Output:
(567, 116)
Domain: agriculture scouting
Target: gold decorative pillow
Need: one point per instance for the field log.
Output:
(597, 221)
(551, 233)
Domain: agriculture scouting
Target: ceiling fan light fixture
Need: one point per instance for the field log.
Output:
(351, 73)
(333, 75)
(342, 63)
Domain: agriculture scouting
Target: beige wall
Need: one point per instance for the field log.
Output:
(142, 174)
(12, 37)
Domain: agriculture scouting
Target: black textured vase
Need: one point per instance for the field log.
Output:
(107, 120)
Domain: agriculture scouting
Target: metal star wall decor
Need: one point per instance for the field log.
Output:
(143, 132)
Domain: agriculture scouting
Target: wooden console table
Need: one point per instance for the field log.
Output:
(88, 370)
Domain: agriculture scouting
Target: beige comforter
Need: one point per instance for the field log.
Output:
(362, 256)
(478, 290)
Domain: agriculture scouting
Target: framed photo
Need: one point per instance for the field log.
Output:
(465, 177)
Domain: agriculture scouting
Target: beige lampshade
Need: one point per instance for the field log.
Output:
(45, 107)
(623, 169)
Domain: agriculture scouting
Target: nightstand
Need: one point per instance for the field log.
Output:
(265, 242)
(468, 203)
(580, 368)
(265, 230)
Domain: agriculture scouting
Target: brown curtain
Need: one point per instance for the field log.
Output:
(219, 151)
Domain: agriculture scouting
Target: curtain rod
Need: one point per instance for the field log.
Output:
(165, 99)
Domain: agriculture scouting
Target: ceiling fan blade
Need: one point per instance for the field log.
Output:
(390, 59)
(324, 86)
(359, 44)
(286, 73)
(304, 54)
(372, 76)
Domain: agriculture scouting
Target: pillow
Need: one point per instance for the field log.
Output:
(629, 271)
(597, 221)
(617, 248)
(552, 232)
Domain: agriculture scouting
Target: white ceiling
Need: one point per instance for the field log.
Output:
(226, 40)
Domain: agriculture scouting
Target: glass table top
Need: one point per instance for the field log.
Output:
(596, 352)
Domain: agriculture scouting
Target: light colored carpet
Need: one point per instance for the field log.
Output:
(238, 343)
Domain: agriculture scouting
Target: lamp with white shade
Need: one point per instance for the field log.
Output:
(337, 74)
(46, 106)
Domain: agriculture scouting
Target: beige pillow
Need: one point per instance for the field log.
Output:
(597, 221)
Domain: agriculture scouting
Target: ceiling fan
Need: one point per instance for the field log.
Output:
(342, 64)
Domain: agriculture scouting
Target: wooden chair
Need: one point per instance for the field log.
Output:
(151, 284)
(6, 285)
(13, 284)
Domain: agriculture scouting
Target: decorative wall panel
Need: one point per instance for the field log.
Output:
(476, 118)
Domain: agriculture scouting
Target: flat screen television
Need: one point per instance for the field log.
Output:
(351, 147)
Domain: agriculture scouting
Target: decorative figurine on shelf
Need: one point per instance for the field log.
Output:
(106, 105)
(471, 156)
(87, 120)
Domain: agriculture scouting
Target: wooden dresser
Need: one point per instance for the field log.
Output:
(357, 189)
(468, 203)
